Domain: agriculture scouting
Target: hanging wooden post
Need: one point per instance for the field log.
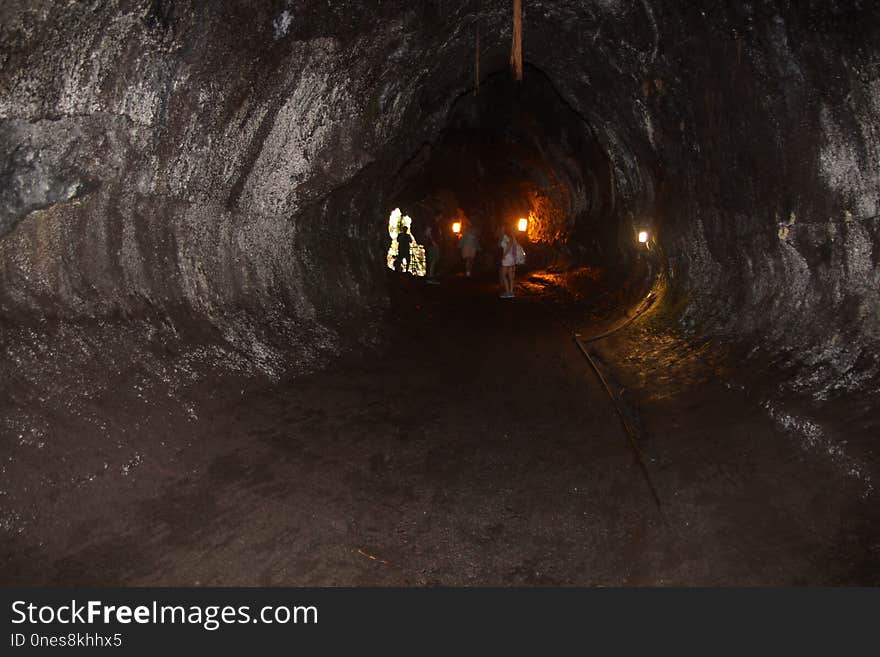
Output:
(516, 42)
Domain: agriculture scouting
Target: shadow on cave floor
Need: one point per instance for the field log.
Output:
(479, 450)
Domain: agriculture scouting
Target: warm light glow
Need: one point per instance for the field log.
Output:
(522, 225)
(456, 227)
(643, 236)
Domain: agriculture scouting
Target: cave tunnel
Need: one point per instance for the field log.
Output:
(211, 375)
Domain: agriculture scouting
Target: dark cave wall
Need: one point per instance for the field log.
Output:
(210, 161)
(745, 136)
(232, 162)
(771, 126)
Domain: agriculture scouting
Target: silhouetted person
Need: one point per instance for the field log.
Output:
(404, 240)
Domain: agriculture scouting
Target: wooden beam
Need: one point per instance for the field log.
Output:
(516, 62)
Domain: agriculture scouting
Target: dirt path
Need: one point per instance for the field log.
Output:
(480, 451)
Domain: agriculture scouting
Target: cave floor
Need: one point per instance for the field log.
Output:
(479, 450)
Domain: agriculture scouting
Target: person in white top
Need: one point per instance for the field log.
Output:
(507, 272)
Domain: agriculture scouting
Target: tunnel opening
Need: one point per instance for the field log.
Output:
(405, 254)
(516, 155)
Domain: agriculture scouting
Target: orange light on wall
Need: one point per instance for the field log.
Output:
(522, 225)
(643, 236)
(456, 227)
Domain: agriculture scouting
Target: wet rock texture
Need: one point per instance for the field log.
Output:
(179, 160)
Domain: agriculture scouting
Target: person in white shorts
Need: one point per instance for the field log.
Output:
(507, 273)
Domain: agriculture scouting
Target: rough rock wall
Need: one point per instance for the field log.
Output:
(201, 160)
(747, 137)
(232, 159)
(768, 120)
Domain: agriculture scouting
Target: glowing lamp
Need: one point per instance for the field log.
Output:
(643, 236)
(522, 225)
(456, 227)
